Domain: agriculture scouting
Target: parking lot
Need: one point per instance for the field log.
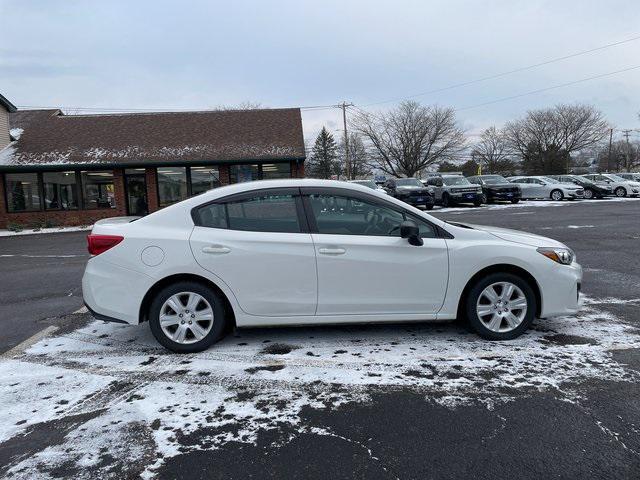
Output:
(87, 399)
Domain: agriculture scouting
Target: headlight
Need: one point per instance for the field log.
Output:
(565, 256)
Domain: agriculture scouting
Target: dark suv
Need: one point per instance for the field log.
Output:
(496, 187)
(411, 191)
(591, 189)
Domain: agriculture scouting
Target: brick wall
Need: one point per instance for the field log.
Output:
(297, 169)
(225, 178)
(152, 189)
(63, 217)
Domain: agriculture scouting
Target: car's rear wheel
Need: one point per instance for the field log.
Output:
(500, 306)
(621, 192)
(556, 195)
(187, 317)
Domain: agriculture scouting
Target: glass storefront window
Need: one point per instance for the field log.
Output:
(203, 179)
(98, 190)
(60, 190)
(22, 190)
(276, 170)
(172, 185)
(244, 173)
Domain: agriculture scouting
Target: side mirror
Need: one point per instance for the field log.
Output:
(409, 230)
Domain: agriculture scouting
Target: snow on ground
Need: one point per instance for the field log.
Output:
(133, 397)
(35, 231)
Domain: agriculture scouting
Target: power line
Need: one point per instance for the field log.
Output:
(509, 72)
(540, 90)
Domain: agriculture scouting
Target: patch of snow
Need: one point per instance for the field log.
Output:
(140, 394)
(16, 133)
(7, 154)
(580, 226)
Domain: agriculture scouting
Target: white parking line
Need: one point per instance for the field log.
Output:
(82, 309)
(21, 347)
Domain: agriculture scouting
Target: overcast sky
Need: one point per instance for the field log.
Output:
(199, 55)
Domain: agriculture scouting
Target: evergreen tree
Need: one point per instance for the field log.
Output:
(324, 156)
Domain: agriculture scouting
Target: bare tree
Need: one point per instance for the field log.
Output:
(546, 138)
(359, 158)
(410, 137)
(493, 152)
(625, 157)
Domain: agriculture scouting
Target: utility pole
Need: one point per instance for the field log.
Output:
(609, 157)
(344, 106)
(628, 152)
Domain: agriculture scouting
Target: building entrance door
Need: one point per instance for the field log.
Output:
(136, 188)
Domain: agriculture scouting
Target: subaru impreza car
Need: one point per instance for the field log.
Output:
(309, 252)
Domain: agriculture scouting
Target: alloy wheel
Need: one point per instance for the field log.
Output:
(621, 192)
(186, 317)
(588, 194)
(556, 195)
(501, 307)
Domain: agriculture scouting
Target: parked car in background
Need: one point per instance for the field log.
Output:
(454, 189)
(370, 184)
(190, 269)
(591, 189)
(621, 186)
(411, 191)
(496, 187)
(546, 187)
(634, 177)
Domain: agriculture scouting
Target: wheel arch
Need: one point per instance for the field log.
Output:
(502, 268)
(183, 277)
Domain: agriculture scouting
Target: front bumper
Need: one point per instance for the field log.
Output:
(498, 195)
(560, 291)
(417, 201)
(462, 197)
(575, 194)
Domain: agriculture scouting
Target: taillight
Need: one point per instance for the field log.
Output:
(97, 244)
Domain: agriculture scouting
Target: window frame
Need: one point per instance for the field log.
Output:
(237, 197)
(79, 192)
(342, 192)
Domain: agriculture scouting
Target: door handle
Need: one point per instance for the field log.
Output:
(332, 251)
(216, 249)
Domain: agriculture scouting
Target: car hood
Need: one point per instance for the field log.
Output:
(516, 236)
(410, 187)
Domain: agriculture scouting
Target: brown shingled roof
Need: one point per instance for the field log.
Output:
(53, 139)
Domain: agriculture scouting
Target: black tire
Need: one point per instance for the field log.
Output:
(429, 206)
(472, 298)
(477, 203)
(219, 317)
(620, 192)
(551, 195)
(446, 203)
(484, 199)
(589, 194)
(515, 200)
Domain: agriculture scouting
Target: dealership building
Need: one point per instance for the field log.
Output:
(58, 169)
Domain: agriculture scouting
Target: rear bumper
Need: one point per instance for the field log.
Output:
(113, 293)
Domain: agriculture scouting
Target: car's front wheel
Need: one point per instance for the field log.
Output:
(620, 192)
(556, 195)
(588, 193)
(187, 317)
(500, 306)
(515, 200)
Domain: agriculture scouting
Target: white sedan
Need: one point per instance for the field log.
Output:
(302, 252)
(547, 187)
(622, 187)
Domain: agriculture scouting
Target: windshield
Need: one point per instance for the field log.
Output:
(494, 179)
(581, 180)
(549, 179)
(366, 183)
(613, 177)
(457, 180)
(408, 182)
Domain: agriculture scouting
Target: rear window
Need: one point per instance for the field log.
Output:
(262, 213)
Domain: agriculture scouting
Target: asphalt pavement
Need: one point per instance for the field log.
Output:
(562, 402)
